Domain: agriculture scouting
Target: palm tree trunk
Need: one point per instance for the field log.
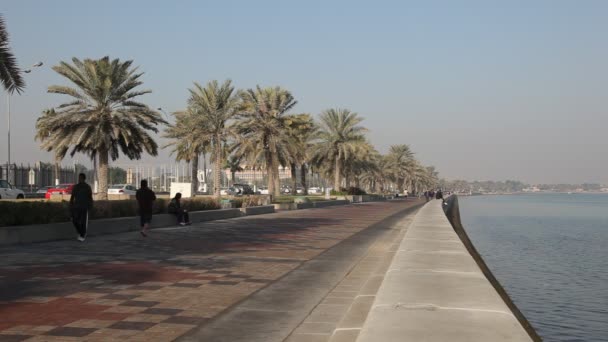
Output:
(217, 167)
(275, 174)
(294, 179)
(103, 175)
(337, 174)
(269, 172)
(277, 178)
(233, 175)
(303, 179)
(205, 171)
(194, 184)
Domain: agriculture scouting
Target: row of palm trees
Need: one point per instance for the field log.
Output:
(253, 127)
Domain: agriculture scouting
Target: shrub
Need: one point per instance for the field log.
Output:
(353, 190)
(199, 204)
(253, 201)
(33, 212)
(17, 213)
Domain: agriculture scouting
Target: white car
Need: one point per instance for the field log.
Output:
(263, 190)
(315, 190)
(122, 189)
(43, 190)
(7, 191)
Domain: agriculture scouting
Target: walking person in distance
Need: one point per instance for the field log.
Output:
(81, 202)
(145, 199)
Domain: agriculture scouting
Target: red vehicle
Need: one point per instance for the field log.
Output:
(61, 189)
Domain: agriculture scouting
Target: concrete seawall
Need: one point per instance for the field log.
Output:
(452, 212)
(436, 291)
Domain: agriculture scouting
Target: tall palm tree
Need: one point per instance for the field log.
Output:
(300, 132)
(10, 75)
(340, 137)
(400, 164)
(103, 118)
(261, 130)
(215, 105)
(51, 139)
(358, 162)
(187, 141)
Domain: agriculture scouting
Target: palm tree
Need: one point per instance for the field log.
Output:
(215, 105)
(261, 130)
(103, 118)
(187, 141)
(51, 139)
(400, 164)
(300, 132)
(234, 164)
(340, 137)
(358, 162)
(10, 75)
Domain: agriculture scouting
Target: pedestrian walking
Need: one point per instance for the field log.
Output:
(175, 207)
(145, 199)
(81, 201)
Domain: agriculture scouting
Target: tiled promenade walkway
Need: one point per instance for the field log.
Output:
(126, 288)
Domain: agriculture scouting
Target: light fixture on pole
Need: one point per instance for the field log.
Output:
(8, 102)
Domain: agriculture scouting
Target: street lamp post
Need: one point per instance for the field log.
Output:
(8, 102)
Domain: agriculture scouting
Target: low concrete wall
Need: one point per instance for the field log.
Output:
(65, 230)
(264, 209)
(293, 206)
(366, 198)
(323, 204)
(307, 205)
(285, 206)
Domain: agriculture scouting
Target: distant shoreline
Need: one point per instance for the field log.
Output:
(537, 193)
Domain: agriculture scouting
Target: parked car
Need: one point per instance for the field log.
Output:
(44, 189)
(61, 189)
(263, 190)
(122, 189)
(299, 190)
(315, 190)
(242, 189)
(225, 191)
(7, 191)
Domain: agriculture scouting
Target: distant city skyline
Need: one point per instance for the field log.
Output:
(482, 90)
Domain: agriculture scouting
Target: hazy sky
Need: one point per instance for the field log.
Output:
(480, 89)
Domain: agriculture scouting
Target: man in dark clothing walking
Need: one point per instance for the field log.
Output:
(81, 202)
(175, 207)
(145, 198)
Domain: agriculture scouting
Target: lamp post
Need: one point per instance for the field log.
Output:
(8, 102)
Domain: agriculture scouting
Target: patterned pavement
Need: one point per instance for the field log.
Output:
(126, 288)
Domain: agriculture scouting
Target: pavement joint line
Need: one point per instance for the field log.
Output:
(434, 306)
(262, 310)
(345, 329)
(421, 270)
(361, 296)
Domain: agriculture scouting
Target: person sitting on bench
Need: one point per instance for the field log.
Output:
(175, 208)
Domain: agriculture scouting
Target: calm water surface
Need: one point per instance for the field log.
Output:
(550, 252)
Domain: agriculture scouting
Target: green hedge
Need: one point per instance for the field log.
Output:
(348, 191)
(17, 213)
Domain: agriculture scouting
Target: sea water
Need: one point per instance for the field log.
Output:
(550, 253)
